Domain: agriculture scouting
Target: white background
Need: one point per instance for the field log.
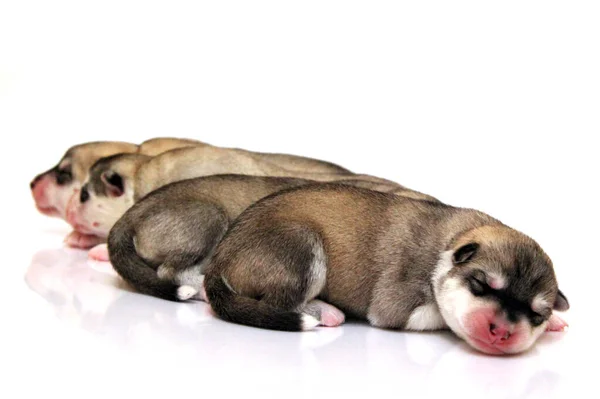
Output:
(491, 106)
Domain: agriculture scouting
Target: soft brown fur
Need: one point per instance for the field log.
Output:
(176, 228)
(381, 255)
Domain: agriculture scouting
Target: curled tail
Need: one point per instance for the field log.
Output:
(233, 307)
(133, 269)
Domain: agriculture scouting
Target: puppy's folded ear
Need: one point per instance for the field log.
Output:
(113, 182)
(465, 253)
(561, 303)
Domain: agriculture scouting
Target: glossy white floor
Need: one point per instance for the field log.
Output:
(484, 105)
(82, 330)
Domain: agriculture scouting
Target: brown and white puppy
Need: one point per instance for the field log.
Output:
(305, 257)
(117, 182)
(165, 239)
(53, 189)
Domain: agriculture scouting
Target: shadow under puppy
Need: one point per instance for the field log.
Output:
(303, 257)
(165, 239)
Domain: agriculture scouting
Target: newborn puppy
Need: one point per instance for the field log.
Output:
(115, 183)
(53, 189)
(165, 239)
(306, 256)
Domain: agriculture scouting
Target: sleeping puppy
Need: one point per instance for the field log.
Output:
(165, 239)
(305, 257)
(53, 189)
(116, 183)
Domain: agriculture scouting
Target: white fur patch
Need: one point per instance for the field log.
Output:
(185, 292)
(308, 322)
(99, 213)
(453, 299)
(426, 317)
(496, 281)
(318, 272)
(373, 320)
(539, 304)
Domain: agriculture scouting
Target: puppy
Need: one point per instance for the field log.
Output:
(115, 183)
(165, 239)
(306, 256)
(53, 189)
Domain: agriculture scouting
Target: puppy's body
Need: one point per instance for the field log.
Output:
(176, 228)
(293, 260)
(159, 145)
(116, 183)
(188, 163)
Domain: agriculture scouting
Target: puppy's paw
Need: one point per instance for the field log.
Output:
(327, 315)
(556, 324)
(99, 253)
(331, 316)
(76, 239)
(186, 292)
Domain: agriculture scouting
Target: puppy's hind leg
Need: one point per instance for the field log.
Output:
(200, 234)
(99, 253)
(328, 315)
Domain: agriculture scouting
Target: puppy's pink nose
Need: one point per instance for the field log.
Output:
(499, 333)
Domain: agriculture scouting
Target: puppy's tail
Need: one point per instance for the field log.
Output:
(240, 309)
(134, 270)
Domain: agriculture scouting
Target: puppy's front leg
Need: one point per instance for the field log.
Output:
(556, 324)
(99, 253)
(76, 239)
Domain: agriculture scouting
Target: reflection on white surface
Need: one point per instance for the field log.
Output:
(91, 298)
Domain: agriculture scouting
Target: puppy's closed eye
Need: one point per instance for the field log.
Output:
(477, 282)
(537, 319)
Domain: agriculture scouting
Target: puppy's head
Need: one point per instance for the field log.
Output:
(53, 189)
(106, 194)
(496, 289)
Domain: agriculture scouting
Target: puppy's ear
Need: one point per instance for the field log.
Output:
(465, 253)
(561, 303)
(113, 182)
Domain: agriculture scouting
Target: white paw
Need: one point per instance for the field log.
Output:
(308, 322)
(185, 292)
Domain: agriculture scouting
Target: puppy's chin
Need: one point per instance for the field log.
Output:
(99, 214)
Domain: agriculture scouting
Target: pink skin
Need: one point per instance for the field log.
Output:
(81, 237)
(76, 239)
(556, 324)
(330, 315)
(99, 253)
(39, 191)
(491, 333)
(73, 214)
